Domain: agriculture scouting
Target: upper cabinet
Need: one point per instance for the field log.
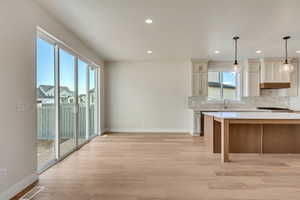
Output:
(199, 77)
(251, 78)
(256, 77)
(271, 71)
(293, 91)
(273, 77)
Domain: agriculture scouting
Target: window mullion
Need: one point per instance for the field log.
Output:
(57, 103)
(87, 105)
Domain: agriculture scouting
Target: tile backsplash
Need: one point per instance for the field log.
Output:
(274, 92)
(198, 102)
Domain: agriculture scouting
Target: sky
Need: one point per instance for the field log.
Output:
(45, 63)
(45, 68)
(229, 78)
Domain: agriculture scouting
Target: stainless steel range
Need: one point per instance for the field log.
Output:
(275, 109)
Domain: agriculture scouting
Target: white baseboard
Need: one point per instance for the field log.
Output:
(194, 134)
(18, 187)
(121, 130)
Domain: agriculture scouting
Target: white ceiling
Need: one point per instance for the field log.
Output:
(182, 28)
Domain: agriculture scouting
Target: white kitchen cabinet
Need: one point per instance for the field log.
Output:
(196, 79)
(293, 91)
(199, 77)
(271, 73)
(251, 78)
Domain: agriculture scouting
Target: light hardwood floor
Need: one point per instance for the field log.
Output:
(168, 167)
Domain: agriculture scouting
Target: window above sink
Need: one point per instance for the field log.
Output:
(223, 85)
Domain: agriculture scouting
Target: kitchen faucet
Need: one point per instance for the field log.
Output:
(225, 103)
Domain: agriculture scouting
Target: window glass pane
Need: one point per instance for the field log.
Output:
(93, 101)
(67, 118)
(214, 86)
(82, 101)
(229, 85)
(45, 102)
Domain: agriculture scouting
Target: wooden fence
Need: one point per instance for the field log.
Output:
(46, 121)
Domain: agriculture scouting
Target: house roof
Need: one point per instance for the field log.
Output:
(40, 94)
(218, 85)
(46, 88)
(42, 89)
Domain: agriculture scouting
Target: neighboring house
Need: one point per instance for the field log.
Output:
(92, 96)
(214, 90)
(46, 94)
(43, 97)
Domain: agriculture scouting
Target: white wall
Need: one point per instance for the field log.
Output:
(18, 21)
(147, 96)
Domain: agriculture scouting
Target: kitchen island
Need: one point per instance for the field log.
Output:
(255, 132)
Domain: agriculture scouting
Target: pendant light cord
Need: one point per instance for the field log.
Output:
(235, 50)
(286, 52)
(286, 49)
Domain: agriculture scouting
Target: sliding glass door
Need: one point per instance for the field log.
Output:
(67, 101)
(93, 114)
(82, 102)
(45, 93)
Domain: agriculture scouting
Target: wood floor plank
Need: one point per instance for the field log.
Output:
(168, 167)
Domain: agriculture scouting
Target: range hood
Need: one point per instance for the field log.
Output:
(273, 85)
(271, 74)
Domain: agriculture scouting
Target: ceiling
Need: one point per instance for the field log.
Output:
(181, 29)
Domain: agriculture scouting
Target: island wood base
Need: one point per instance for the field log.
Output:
(251, 136)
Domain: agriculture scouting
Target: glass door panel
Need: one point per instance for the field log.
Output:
(45, 90)
(82, 102)
(67, 102)
(92, 102)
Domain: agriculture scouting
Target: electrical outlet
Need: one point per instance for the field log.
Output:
(3, 172)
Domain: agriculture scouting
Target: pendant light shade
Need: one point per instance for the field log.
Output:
(236, 66)
(286, 67)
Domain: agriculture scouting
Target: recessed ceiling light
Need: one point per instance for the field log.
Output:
(148, 21)
(298, 51)
(217, 52)
(258, 51)
(149, 52)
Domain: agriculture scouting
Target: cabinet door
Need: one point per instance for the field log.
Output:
(251, 84)
(276, 72)
(199, 84)
(284, 76)
(269, 72)
(293, 91)
(203, 87)
(254, 67)
(196, 68)
(196, 84)
(254, 84)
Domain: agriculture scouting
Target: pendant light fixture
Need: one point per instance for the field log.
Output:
(286, 66)
(236, 66)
